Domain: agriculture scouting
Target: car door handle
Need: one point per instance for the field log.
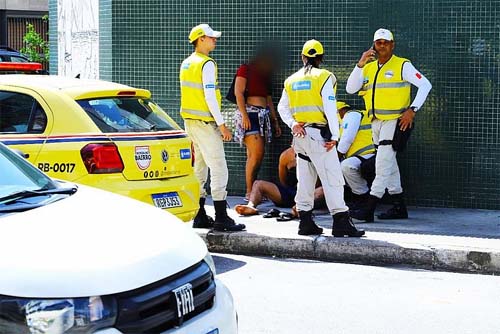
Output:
(21, 153)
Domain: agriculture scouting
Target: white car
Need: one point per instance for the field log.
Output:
(81, 260)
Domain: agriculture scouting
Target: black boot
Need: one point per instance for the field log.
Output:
(222, 221)
(202, 220)
(343, 226)
(398, 211)
(358, 201)
(307, 226)
(367, 211)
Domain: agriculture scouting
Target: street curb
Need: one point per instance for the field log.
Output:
(352, 250)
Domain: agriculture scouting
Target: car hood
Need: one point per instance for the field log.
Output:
(92, 243)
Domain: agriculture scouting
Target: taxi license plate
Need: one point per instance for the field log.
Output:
(167, 200)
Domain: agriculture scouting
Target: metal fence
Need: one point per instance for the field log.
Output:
(17, 27)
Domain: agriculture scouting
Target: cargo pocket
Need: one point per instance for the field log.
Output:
(333, 172)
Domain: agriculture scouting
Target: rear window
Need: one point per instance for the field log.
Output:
(14, 59)
(127, 114)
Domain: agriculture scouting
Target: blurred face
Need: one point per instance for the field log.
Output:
(384, 48)
(208, 42)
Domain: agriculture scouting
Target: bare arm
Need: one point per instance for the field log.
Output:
(240, 85)
(285, 158)
(274, 116)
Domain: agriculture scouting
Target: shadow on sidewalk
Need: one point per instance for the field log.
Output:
(224, 264)
(426, 221)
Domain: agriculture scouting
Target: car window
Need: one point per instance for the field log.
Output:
(17, 59)
(125, 114)
(21, 113)
(17, 174)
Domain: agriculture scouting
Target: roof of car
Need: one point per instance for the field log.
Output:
(75, 88)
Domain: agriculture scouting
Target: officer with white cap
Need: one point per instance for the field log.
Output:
(385, 87)
(201, 111)
(307, 106)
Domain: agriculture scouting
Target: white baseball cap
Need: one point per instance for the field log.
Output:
(202, 30)
(383, 34)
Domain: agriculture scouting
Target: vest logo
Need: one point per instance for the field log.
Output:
(185, 153)
(142, 157)
(185, 66)
(302, 85)
(210, 86)
(389, 74)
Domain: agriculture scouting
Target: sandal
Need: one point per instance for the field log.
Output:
(273, 213)
(285, 216)
(246, 210)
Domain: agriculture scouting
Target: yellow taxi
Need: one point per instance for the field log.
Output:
(101, 134)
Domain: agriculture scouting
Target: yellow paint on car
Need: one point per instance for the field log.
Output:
(101, 134)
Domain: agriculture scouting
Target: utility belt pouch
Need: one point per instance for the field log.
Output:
(326, 133)
(401, 137)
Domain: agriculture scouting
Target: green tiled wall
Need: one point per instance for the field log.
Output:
(105, 40)
(454, 155)
(53, 36)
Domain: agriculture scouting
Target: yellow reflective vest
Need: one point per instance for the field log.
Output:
(304, 93)
(193, 103)
(385, 92)
(363, 142)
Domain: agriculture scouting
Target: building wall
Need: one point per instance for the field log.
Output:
(29, 5)
(453, 158)
(78, 38)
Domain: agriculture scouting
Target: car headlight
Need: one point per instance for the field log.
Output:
(210, 261)
(56, 316)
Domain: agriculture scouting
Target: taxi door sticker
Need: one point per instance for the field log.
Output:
(142, 157)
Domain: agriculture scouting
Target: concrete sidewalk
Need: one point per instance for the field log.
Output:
(460, 240)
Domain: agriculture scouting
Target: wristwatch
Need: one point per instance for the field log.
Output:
(415, 109)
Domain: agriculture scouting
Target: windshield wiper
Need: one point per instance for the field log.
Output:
(33, 193)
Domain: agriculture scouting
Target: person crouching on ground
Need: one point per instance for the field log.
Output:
(355, 147)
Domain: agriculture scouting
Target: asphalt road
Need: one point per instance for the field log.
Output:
(289, 296)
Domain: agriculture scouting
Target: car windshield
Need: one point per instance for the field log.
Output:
(19, 175)
(127, 114)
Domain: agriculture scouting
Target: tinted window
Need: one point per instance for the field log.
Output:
(122, 114)
(21, 113)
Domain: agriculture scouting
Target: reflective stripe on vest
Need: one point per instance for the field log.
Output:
(363, 142)
(362, 151)
(193, 103)
(304, 93)
(385, 92)
(191, 84)
(196, 112)
(388, 85)
(306, 109)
